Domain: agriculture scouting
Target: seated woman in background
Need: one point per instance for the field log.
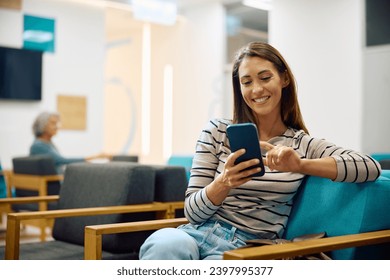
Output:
(44, 128)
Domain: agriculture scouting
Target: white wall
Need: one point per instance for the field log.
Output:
(323, 43)
(198, 70)
(376, 131)
(195, 48)
(76, 68)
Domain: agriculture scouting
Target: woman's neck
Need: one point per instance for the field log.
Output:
(45, 138)
(270, 128)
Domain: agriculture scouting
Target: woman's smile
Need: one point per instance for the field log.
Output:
(261, 100)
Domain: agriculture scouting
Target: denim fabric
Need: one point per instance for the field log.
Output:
(193, 242)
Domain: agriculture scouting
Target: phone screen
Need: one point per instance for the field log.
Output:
(245, 136)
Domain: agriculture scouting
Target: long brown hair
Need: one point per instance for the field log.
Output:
(290, 112)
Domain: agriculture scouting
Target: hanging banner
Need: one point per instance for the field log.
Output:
(39, 33)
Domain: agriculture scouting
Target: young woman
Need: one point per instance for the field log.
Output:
(224, 204)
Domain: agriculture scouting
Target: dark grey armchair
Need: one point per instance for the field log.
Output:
(115, 189)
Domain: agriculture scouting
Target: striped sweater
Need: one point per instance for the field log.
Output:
(262, 206)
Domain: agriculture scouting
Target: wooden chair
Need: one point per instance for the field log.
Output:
(356, 217)
(32, 176)
(87, 196)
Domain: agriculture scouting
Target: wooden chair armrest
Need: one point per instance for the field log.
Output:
(29, 199)
(14, 219)
(33, 180)
(6, 172)
(50, 178)
(93, 234)
(287, 250)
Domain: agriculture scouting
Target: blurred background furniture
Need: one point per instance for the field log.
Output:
(182, 160)
(4, 189)
(380, 156)
(34, 176)
(170, 185)
(383, 159)
(339, 209)
(3, 185)
(101, 193)
(128, 158)
(385, 164)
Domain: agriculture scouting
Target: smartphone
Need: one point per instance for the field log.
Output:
(244, 135)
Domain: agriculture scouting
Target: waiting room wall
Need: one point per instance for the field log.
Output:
(76, 68)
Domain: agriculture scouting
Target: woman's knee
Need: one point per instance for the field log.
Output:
(169, 244)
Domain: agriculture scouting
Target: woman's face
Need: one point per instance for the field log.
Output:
(52, 126)
(261, 86)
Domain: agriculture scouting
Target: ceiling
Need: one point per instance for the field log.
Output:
(249, 17)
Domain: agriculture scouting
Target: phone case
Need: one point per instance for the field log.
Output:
(244, 135)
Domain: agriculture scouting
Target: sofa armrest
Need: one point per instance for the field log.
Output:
(93, 234)
(293, 249)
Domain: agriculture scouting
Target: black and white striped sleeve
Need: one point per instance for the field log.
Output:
(198, 208)
(352, 166)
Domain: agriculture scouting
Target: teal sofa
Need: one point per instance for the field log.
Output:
(343, 208)
(380, 156)
(321, 205)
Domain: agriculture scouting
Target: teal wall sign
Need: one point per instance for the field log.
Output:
(38, 33)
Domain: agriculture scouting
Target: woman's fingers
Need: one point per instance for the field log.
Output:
(235, 175)
(274, 156)
(265, 146)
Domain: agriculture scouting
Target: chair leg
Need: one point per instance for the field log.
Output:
(42, 235)
(92, 245)
(12, 239)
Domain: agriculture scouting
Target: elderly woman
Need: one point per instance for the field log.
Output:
(44, 128)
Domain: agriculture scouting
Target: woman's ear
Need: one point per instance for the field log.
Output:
(286, 79)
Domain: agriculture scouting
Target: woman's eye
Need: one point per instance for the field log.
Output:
(266, 78)
(245, 83)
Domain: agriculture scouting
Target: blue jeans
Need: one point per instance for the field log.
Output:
(193, 242)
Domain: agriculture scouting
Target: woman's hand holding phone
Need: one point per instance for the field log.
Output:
(236, 174)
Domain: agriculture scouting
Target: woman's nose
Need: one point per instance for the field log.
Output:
(257, 87)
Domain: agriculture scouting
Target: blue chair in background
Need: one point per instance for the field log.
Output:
(182, 160)
(3, 194)
(3, 186)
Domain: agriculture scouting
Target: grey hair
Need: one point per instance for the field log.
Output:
(41, 121)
